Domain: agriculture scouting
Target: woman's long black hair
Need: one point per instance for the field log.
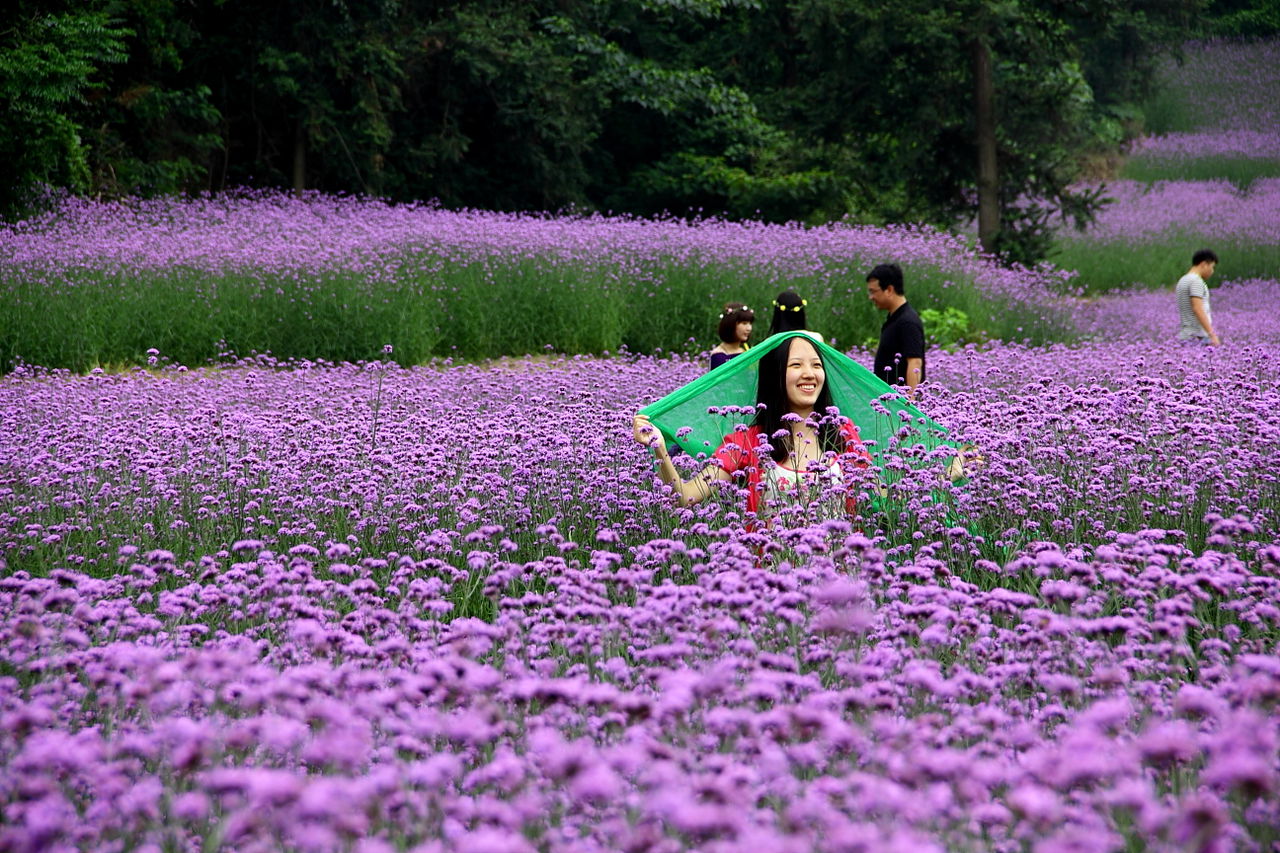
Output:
(772, 403)
(788, 313)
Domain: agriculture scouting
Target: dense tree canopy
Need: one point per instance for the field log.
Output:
(779, 109)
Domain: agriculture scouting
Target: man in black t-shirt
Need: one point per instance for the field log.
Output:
(900, 356)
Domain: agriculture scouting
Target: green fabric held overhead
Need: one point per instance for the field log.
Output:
(697, 416)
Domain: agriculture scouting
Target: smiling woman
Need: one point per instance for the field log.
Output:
(796, 449)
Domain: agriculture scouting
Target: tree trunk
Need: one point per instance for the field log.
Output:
(299, 158)
(985, 125)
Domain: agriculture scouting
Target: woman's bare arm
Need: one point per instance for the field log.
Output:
(690, 491)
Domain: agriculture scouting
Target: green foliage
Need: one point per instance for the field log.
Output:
(711, 183)
(50, 61)
(948, 328)
(769, 109)
(1167, 111)
(156, 128)
(885, 91)
(721, 156)
(1245, 18)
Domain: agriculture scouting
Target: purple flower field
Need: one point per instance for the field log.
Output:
(333, 604)
(1226, 85)
(1214, 117)
(324, 607)
(1208, 175)
(1195, 211)
(1148, 233)
(265, 232)
(1243, 144)
(97, 284)
(1245, 308)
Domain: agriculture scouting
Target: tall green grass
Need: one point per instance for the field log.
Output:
(97, 318)
(1169, 111)
(436, 307)
(1109, 266)
(1241, 171)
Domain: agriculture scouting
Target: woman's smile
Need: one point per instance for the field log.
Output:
(805, 376)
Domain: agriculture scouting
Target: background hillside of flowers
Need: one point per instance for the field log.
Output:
(1205, 175)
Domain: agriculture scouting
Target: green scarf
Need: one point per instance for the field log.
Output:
(699, 415)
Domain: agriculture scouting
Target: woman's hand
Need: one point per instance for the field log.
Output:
(687, 492)
(965, 462)
(647, 434)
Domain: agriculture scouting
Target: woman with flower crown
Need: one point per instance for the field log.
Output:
(736, 321)
(788, 315)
